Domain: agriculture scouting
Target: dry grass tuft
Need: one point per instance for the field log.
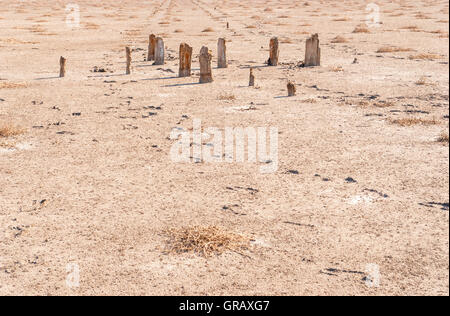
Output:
(384, 104)
(414, 121)
(425, 56)
(227, 97)
(392, 49)
(336, 69)
(310, 100)
(205, 241)
(443, 138)
(12, 85)
(341, 19)
(339, 39)
(9, 130)
(361, 29)
(422, 81)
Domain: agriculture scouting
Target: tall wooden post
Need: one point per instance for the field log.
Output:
(62, 67)
(274, 51)
(185, 60)
(151, 47)
(252, 78)
(292, 90)
(128, 54)
(205, 65)
(222, 53)
(312, 54)
(159, 51)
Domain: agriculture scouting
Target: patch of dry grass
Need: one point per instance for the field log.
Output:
(206, 241)
(443, 138)
(310, 100)
(425, 57)
(12, 85)
(341, 19)
(414, 121)
(422, 81)
(336, 69)
(226, 97)
(8, 130)
(361, 29)
(392, 49)
(384, 104)
(339, 39)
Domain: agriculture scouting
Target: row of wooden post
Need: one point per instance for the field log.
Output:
(156, 53)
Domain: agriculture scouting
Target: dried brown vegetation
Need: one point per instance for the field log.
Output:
(392, 49)
(425, 56)
(205, 241)
(8, 130)
(414, 121)
(443, 138)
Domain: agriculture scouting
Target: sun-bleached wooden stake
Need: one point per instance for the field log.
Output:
(151, 47)
(205, 65)
(128, 54)
(274, 51)
(312, 54)
(185, 60)
(62, 67)
(159, 51)
(222, 53)
(252, 78)
(292, 90)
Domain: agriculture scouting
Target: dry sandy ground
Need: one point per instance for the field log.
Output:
(99, 189)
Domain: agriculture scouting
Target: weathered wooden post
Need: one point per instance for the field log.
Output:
(205, 65)
(274, 52)
(128, 54)
(151, 47)
(159, 51)
(185, 60)
(252, 78)
(312, 54)
(292, 90)
(222, 53)
(62, 67)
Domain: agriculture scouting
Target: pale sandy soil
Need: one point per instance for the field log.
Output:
(109, 188)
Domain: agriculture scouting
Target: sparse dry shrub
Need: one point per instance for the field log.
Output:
(410, 27)
(336, 69)
(425, 56)
(384, 104)
(392, 49)
(208, 30)
(91, 26)
(361, 29)
(12, 85)
(422, 81)
(414, 121)
(443, 138)
(341, 19)
(9, 130)
(206, 241)
(226, 97)
(339, 39)
(309, 100)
